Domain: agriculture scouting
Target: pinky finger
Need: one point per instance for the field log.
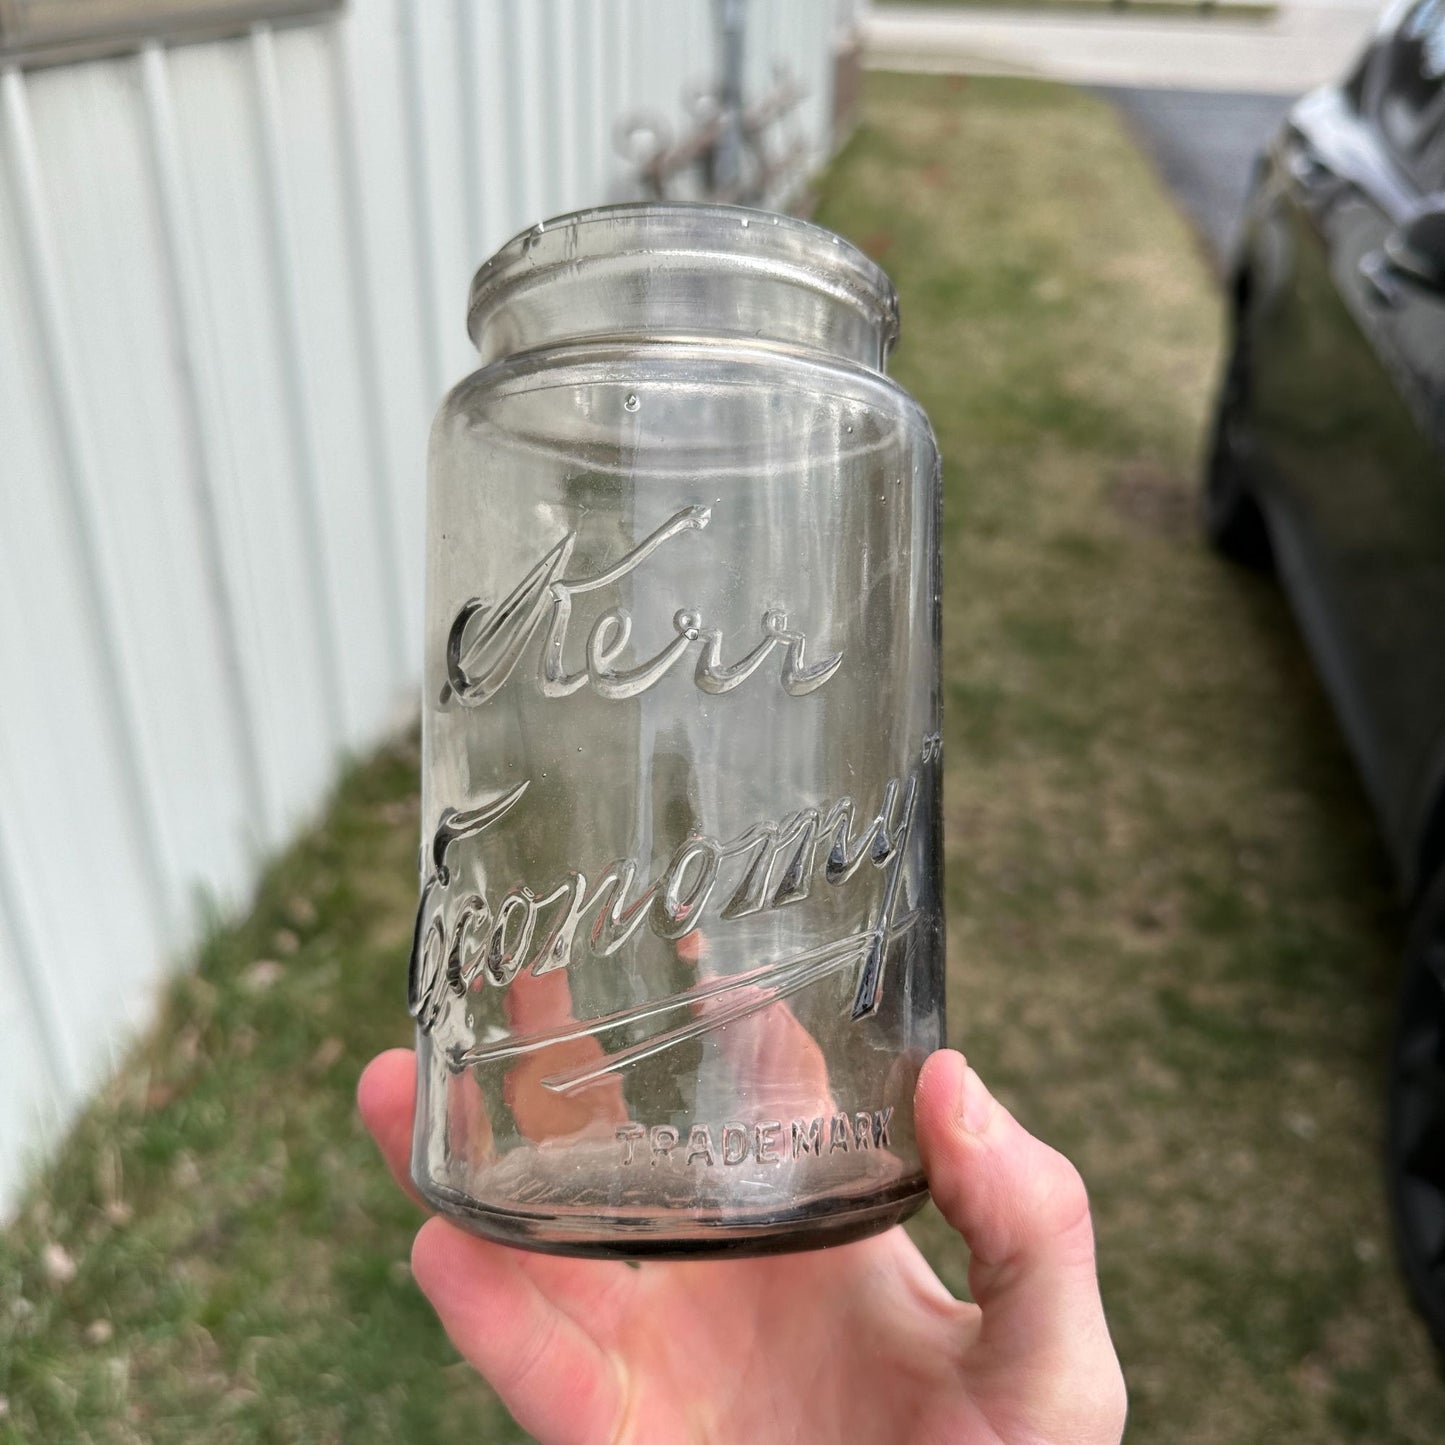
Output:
(550, 1373)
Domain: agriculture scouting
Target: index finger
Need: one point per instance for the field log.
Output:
(386, 1099)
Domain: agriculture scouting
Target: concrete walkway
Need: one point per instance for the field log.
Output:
(1307, 43)
(1204, 144)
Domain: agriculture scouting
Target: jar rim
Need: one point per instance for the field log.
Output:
(825, 261)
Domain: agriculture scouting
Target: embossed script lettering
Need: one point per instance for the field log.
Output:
(486, 643)
(460, 940)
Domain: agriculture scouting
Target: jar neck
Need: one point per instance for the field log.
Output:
(670, 270)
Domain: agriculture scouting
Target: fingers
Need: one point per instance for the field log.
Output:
(550, 1373)
(599, 1291)
(386, 1099)
(538, 1006)
(1022, 1209)
(777, 1059)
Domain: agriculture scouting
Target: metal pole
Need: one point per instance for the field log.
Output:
(728, 164)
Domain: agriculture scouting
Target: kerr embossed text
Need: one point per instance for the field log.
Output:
(486, 643)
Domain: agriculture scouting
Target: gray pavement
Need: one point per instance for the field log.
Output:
(1304, 44)
(1204, 144)
(1203, 94)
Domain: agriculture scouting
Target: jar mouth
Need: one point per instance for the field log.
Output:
(856, 415)
(755, 246)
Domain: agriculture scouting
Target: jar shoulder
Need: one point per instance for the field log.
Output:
(690, 365)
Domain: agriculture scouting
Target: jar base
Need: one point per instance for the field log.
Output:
(817, 1226)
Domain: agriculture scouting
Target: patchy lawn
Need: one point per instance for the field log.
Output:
(1172, 938)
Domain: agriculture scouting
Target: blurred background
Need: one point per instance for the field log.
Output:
(235, 243)
(233, 278)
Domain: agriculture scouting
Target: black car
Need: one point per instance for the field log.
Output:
(1328, 462)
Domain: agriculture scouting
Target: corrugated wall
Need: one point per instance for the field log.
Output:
(232, 290)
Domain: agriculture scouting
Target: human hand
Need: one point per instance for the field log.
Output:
(861, 1342)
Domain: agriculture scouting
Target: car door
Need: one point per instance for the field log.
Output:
(1412, 339)
(1390, 537)
(1352, 415)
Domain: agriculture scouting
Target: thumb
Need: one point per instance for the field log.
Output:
(1022, 1209)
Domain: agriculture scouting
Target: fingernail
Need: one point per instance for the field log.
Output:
(977, 1107)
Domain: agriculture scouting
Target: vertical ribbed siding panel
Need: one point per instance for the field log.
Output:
(593, 115)
(682, 74)
(371, 396)
(436, 106)
(66, 403)
(282, 267)
(624, 93)
(482, 79)
(532, 141)
(803, 17)
(94, 149)
(818, 46)
(418, 198)
(542, 55)
(197, 388)
(283, 595)
(405, 355)
(659, 85)
(471, 93)
(566, 105)
(514, 31)
(38, 1068)
(38, 1072)
(698, 19)
(331, 388)
(83, 926)
(232, 284)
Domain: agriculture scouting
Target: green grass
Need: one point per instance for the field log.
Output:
(1172, 944)
(240, 1256)
(1171, 937)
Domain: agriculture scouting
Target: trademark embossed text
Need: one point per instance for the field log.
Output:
(768, 1142)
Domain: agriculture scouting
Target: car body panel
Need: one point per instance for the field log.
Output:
(1347, 455)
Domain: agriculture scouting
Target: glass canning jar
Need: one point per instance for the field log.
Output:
(679, 948)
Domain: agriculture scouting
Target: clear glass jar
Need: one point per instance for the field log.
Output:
(679, 947)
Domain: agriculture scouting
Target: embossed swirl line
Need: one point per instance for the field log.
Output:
(773, 981)
(698, 993)
(839, 956)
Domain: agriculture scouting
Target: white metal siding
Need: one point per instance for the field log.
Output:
(232, 290)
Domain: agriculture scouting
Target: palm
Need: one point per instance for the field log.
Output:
(860, 1342)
